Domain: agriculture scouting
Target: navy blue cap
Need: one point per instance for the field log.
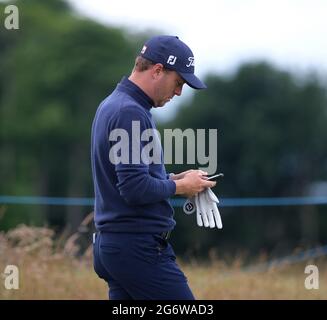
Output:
(173, 54)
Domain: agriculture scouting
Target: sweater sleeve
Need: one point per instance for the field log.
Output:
(135, 183)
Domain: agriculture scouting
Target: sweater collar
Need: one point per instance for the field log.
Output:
(136, 92)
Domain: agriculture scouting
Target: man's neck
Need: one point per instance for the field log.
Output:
(140, 83)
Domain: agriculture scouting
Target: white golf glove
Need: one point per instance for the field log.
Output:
(205, 205)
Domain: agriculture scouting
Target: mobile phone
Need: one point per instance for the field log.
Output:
(215, 177)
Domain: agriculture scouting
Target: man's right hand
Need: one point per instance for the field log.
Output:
(192, 183)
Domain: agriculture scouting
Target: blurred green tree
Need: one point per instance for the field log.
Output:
(271, 129)
(272, 138)
(55, 70)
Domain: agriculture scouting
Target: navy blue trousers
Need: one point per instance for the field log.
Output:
(139, 266)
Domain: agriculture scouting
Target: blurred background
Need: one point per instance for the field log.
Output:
(265, 65)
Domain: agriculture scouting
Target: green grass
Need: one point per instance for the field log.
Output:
(47, 272)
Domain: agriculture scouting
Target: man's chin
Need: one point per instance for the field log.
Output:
(160, 104)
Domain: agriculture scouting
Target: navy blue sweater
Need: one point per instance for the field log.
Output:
(128, 197)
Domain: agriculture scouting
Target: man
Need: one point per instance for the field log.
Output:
(133, 215)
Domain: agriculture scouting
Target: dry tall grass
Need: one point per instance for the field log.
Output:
(48, 271)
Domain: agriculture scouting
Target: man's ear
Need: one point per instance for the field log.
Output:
(157, 70)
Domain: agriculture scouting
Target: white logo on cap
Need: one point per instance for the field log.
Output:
(191, 59)
(143, 49)
(171, 60)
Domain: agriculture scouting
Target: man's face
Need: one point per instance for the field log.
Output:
(169, 85)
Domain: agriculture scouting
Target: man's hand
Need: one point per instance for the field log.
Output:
(181, 175)
(192, 183)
